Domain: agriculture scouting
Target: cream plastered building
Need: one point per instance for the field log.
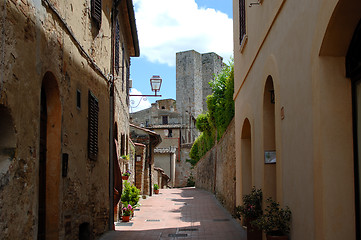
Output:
(297, 99)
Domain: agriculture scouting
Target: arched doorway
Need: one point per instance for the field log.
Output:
(246, 156)
(49, 159)
(353, 68)
(269, 141)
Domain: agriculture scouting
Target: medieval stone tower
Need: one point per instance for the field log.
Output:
(194, 72)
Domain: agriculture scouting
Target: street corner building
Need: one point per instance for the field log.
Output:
(297, 110)
(60, 64)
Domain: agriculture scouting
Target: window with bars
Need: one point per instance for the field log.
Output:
(117, 39)
(242, 19)
(96, 11)
(93, 111)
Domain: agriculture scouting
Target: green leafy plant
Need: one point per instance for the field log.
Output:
(252, 205)
(125, 157)
(130, 195)
(276, 220)
(127, 211)
(220, 113)
(156, 187)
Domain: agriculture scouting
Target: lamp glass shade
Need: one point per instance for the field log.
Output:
(155, 83)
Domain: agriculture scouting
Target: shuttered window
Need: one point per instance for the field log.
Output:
(127, 82)
(242, 19)
(117, 38)
(96, 11)
(93, 127)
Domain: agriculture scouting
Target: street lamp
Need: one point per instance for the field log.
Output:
(155, 83)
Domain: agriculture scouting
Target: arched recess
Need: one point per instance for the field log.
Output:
(269, 141)
(246, 157)
(49, 159)
(353, 70)
(7, 143)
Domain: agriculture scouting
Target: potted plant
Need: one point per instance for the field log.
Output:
(250, 211)
(125, 157)
(126, 175)
(127, 211)
(276, 221)
(130, 195)
(156, 189)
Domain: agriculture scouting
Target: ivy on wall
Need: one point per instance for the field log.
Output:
(220, 113)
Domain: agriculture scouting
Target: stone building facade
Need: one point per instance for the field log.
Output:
(56, 75)
(194, 72)
(297, 96)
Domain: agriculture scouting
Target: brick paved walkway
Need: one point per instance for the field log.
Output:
(186, 213)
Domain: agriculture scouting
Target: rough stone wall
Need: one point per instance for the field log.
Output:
(139, 167)
(216, 171)
(33, 43)
(183, 169)
(211, 66)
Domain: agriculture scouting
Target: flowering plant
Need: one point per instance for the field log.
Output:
(252, 205)
(127, 211)
(127, 173)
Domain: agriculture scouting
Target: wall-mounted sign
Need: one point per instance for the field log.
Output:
(139, 158)
(270, 157)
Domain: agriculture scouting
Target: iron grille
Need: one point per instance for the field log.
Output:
(96, 11)
(242, 19)
(93, 110)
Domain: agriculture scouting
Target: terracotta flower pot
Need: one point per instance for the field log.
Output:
(156, 191)
(125, 177)
(125, 218)
(252, 232)
(277, 237)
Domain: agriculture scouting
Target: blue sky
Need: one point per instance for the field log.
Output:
(169, 26)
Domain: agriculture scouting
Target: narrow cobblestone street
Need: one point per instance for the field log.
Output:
(186, 213)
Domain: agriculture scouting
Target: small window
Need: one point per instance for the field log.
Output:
(242, 19)
(78, 99)
(164, 120)
(163, 107)
(170, 133)
(96, 11)
(93, 112)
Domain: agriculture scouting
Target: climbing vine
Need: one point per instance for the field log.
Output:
(220, 113)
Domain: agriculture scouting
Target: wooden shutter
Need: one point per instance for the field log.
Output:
(96, 11)
(93, 127)
(127, 82)
(117, 39)
(242, 19)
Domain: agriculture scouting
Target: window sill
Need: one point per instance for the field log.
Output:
(243, 43)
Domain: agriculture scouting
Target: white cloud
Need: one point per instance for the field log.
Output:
(166, 27)
(138, 103)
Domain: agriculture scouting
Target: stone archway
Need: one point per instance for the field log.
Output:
(49, 159)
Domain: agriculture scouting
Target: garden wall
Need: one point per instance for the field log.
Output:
(216, 171)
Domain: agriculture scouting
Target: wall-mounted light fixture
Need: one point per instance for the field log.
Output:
(259, 2)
